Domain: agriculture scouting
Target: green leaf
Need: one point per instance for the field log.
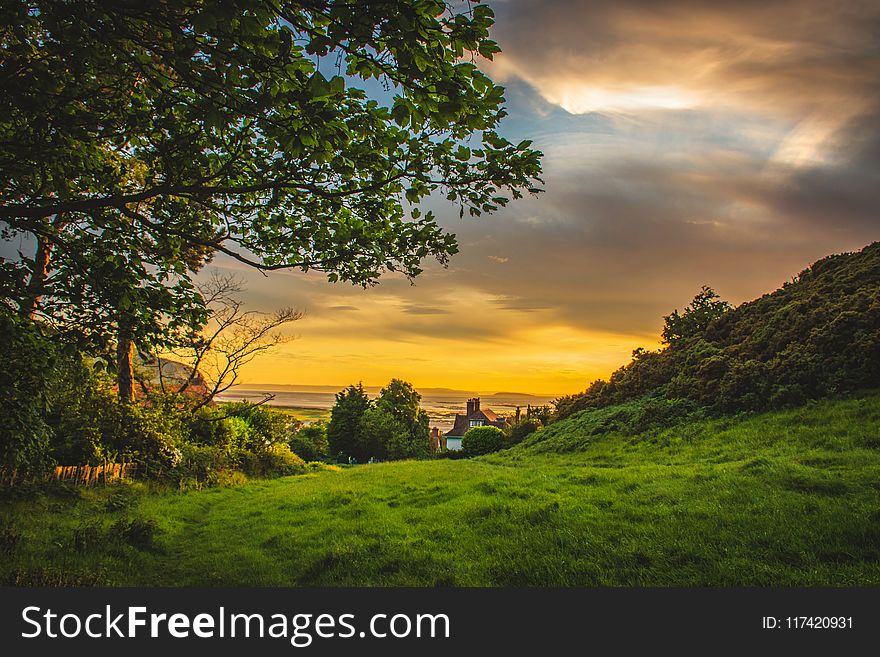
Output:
(400, 114)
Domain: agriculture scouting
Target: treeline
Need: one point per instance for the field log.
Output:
(392, 427)
(816, 336)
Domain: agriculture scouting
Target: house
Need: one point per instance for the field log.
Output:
(475, 417)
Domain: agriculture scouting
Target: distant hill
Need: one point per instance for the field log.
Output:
(158, 371)
(817, 335)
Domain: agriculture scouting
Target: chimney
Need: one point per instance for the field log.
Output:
(476, 404)
(472, 405)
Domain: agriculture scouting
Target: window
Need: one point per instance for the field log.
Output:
(476, 423)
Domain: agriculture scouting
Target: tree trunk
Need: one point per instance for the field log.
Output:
(124, 350)
(36, 283)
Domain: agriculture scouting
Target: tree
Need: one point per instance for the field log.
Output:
(30, 362)
(378, 432)
(343, 430)
(401, 400)
(706, 307)
(213, 125)
(310, 442)
(523, 429)
(230, 338)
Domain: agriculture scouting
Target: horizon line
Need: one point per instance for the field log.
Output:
(305, 386)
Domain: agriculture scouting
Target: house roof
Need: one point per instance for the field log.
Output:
(462, 421)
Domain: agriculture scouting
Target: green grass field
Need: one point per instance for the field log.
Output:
(785, 498)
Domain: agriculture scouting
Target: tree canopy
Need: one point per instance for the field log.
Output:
(139, 139)
(705, 308)
(241, 127)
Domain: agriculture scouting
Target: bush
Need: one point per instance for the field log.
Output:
(482, 440)
(9, 538)
(137, 532)
(88, 536)
(520, 431)
(276, 460)
(201, 464)
(26, 378)
(265, 424)
(310, 443)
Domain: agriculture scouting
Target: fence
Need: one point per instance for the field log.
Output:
(82, 474)
(92, 474)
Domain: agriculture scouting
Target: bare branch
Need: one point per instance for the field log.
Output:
(233, 337)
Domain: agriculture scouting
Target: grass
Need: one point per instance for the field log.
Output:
(305, 413)
(780, 499)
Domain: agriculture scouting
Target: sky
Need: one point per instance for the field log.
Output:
(686, 143)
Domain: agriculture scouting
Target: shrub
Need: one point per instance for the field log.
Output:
(482, 440)
(201, 463)
(520, 431)
(9, 538)
(265, 425)
(136, 532)
(29, 368)
(310, 443)
(88, 536)
(121, 498)
(276, 459)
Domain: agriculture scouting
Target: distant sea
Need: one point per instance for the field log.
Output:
(441, 405)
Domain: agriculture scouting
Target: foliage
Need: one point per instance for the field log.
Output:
(394, 427)
(310, 442)
(482, 440)
(523, 429)
(265, 425)
(136, 532)
(817, 335)
(29, 368)
(377, 431)
(81, 420)
(705, 308)
(276, 460)
(400, 400)
(345, 418)
(180, 130)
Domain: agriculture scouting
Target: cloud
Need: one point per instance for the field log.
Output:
(687, 143)
(808, 63)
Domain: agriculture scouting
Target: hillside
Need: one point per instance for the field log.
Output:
(816, 336)
(781, 498)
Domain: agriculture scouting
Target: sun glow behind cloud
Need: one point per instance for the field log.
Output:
(581, 99)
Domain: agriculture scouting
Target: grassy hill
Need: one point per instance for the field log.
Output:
(780, 498)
